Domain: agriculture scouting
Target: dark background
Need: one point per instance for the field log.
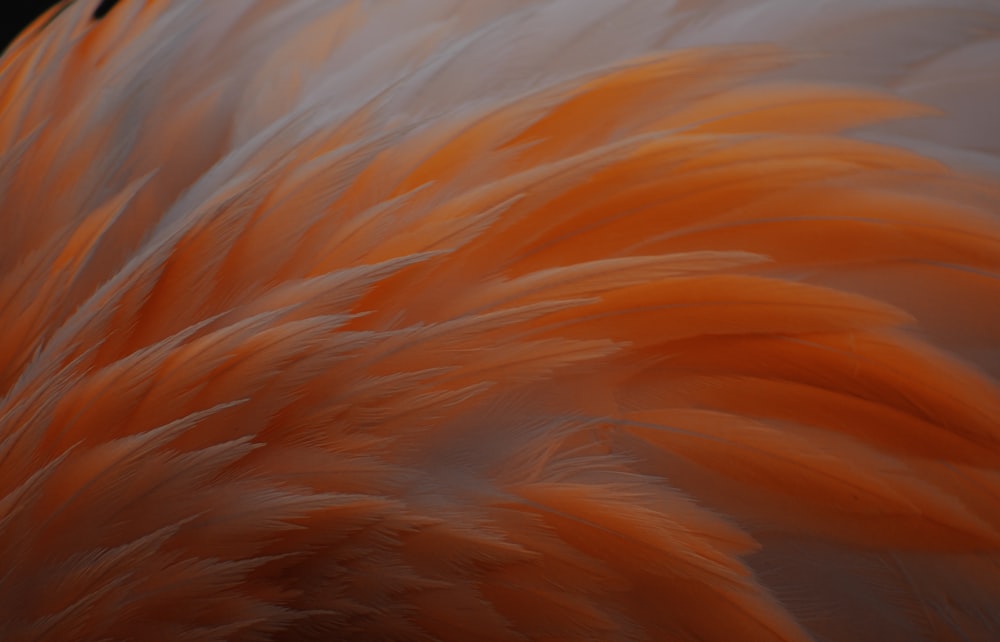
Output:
(15, 15)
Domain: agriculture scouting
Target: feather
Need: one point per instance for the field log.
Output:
(532, 320)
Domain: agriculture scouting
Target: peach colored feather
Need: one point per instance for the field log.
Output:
(536, 320)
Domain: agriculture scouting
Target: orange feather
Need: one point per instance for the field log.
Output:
(537, 320)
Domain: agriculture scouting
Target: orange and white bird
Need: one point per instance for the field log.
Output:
(501, 320)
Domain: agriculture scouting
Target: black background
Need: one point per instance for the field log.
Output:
(15, 15)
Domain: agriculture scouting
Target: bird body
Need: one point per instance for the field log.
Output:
(538, 320)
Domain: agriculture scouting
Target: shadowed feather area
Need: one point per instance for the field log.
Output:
(501, 320)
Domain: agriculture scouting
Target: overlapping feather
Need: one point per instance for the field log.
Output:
(427, 320)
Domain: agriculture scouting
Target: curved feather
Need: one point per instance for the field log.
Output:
(533, 320)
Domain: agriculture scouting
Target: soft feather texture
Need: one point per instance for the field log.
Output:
(501, 320)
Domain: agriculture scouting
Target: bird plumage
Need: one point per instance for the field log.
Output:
(501, 320)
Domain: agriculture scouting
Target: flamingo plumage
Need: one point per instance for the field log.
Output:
(496, 320)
